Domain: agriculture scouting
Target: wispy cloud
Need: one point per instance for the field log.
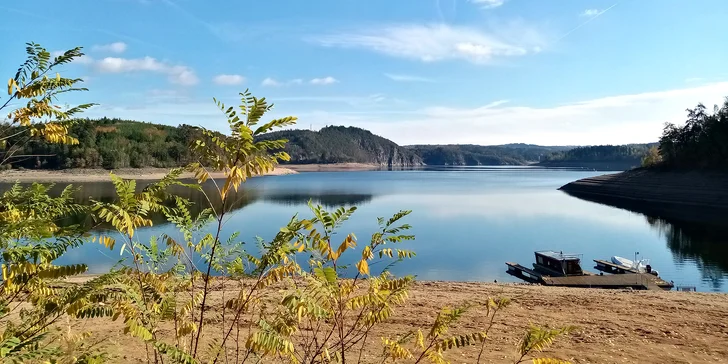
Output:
(116, 47)
(272, 82)
(328, 80)
(488, 4)
(600, 13)
(437, 42)
(609, 120)
(177, 74)
(407, 78)
(357, 101)
(591, 12)
(228, 80)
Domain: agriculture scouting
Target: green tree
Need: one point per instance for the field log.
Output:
(702, 142)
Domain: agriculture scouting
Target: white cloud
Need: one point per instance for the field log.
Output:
(357, 101)
(116, 47)
(488, 4)
(182, 75)
(228, 79)
(591, 12)
(437, 42)
(328, 80)
(272, 82)
(407, 78)
(608, 120)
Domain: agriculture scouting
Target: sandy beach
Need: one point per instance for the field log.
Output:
(614, 326)
(101, 175)
(333, 167)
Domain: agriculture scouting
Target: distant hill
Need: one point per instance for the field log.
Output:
(475, 155)
(340, 144)
(116, 143)
(614, 157)
(111, 144)
(535, 146)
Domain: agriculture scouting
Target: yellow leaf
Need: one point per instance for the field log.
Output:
(367, 253)
(10, 86)
(363, 267)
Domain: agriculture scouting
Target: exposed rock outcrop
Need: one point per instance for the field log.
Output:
(688, 196)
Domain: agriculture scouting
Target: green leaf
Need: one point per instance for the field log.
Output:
(327, 274)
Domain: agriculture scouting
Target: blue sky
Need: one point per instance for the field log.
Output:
(415, 71)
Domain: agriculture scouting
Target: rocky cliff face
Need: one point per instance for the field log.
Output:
(338, 144)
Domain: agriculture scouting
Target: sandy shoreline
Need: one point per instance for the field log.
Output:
(615, 326)
(102, 175)
(334, 167)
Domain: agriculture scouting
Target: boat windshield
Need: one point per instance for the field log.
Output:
(573, 267)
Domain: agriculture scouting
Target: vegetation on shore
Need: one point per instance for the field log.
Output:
(292, 312)
(701, 143)
(629, 155)
(112, 143)
(476, 155)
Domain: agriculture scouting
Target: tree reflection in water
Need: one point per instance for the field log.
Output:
(705, 245)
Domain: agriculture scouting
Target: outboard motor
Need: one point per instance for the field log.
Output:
(649, 270)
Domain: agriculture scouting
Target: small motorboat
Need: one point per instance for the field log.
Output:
(642, 265)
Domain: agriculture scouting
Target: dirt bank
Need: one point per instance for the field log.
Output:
(614, 326)
(687, 196)
(100, 175)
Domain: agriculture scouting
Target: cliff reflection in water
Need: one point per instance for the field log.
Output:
(246, 195)
(326, 199)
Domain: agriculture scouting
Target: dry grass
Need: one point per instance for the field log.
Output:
(615, 326)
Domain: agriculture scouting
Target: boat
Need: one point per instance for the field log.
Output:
(558, 264)
(641, 266)
(554, 268)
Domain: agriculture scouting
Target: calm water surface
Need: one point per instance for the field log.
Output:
(469, 221)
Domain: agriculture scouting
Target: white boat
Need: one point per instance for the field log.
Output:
(642, 266)
(627, 263)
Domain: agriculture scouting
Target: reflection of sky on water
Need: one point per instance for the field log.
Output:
(468, 222)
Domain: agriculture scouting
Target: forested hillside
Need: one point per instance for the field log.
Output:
(475, 155)
(702, 143)
(340, 144)
(116, 143)
(110, 143)
(631, 153)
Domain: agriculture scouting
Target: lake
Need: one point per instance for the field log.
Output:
(469, 221)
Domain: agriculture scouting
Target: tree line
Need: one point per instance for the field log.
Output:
(600, 153)
(109, 143)
(701, 143)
